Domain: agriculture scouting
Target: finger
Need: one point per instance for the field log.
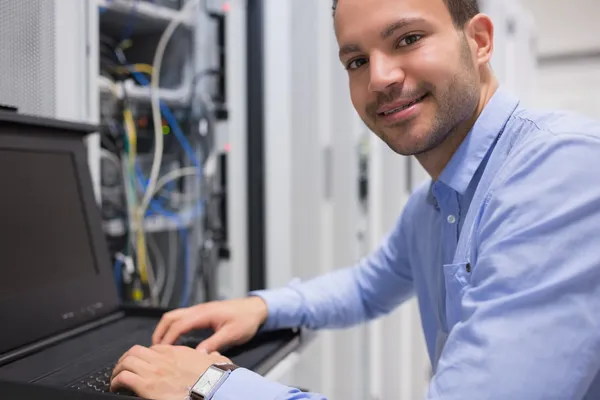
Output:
(179, 328)
(218, 340)
(132, 364)
(141, 352)
(164, 323)
(128, 380)
(137, 351)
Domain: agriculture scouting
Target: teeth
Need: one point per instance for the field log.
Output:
(395, 110)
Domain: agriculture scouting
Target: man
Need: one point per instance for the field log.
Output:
(501, 247)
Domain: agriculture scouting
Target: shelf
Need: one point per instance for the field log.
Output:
(172, 97)
(153, 224)
(117, 16)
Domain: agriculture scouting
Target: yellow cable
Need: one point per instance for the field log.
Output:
(143, 68)
(137, 218)
(138, 210)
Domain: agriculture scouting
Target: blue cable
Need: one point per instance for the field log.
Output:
(156, 206)
(128, 32)
(172, 121)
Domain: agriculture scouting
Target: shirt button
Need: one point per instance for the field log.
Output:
(451, 219)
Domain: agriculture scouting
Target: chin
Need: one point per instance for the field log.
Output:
(408, 141)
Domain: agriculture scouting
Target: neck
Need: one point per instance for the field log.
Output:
(435, 160)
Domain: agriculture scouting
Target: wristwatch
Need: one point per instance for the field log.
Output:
(211, 380)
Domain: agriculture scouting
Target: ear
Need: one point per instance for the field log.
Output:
(480, 32)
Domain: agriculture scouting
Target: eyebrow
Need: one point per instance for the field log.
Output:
(393, 27)
(385, 34)
(349, 49)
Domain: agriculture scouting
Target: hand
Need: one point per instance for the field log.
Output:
(234, 322)
(161, 372)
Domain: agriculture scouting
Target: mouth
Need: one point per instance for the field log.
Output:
(402, 107)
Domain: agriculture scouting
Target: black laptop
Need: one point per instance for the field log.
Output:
(61, 320)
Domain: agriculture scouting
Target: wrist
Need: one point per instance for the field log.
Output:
(211, 380)
(261, 307)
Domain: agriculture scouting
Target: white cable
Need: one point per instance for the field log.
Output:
(173, 176)
(156, 115)
(112, 86)
(172, 264)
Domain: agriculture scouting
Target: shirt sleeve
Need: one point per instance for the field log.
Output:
(347, 296)
(530, 315)
(245, 384)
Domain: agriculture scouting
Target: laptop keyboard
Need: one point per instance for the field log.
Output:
(99, 380)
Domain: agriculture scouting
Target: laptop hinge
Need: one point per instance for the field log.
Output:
(45, 343)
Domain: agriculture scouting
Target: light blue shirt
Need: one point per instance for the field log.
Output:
(503, 254)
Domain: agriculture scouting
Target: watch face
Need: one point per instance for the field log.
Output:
(208, 381)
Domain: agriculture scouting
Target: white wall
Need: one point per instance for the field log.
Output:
(566, 26)
(569, 49)
(574, 86)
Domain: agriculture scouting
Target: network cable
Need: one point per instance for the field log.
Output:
(158, 209)
(154, 85)
(156, 105)
(146, 274)
(176, 175)
(152, 186)
(136, 71)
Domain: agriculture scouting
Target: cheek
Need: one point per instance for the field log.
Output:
(358, 96)
(433, 67)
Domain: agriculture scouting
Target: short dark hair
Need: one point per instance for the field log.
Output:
(461, 11)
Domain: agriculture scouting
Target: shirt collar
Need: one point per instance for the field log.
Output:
(461, 168)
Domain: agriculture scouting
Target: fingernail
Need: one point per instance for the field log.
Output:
(203, 350)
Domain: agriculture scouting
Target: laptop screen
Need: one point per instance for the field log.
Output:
(40, 209)
(50, 278)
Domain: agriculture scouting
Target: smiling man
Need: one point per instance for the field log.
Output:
(417, 80)
(501, 246)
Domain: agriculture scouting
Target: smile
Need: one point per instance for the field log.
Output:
(402, 107)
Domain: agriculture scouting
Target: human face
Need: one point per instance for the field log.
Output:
(412, 74)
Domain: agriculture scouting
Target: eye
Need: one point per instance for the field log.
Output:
(410, 39)
(356, 63)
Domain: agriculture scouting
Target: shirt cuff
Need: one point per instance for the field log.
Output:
(245, 384)
(284, 306)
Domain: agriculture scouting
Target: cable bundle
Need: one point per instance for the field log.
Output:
(140, 205)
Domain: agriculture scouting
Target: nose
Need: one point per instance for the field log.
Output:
(385, 72)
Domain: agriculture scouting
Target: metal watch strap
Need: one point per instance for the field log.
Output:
(226, 366)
